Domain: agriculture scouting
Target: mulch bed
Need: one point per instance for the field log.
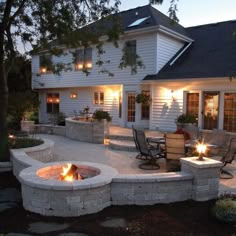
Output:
(178, 219)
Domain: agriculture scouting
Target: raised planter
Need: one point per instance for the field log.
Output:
(25, 157)
(92, 132)
(27, 125)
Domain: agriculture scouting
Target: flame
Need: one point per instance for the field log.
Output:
(68, 177)
(201, 148)
(64, 173)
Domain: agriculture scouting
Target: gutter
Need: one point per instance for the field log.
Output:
(184, 49)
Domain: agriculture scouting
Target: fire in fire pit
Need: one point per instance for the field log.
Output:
(70, 173)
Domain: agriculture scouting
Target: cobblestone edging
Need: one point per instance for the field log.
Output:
(25, 157)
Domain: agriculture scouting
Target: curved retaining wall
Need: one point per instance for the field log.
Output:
(25, 157)
(61, 198)
(198, 180)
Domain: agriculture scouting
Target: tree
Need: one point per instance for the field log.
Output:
(41, 24)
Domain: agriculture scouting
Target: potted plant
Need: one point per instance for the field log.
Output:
(100, 115)
(143, 98)
(185, 119)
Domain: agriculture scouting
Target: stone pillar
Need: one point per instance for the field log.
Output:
(205, 177)
(27, 125)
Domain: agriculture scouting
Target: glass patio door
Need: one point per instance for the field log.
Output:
(210, 110)
(130, 108)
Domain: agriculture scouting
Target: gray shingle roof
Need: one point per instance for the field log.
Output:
(212, 54)
(155, 18)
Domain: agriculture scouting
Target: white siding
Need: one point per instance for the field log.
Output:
(146, 46)
(165, 110)
(167, 47)
(85, 98)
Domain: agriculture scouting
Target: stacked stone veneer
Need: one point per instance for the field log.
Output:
(198, 180)
(33, 156)
(61, 198)
(206, 173)
(92, 132)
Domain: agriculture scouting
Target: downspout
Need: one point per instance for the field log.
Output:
(184, 49)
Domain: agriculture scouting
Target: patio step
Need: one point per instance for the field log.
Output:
(120, 137)
(122, 145)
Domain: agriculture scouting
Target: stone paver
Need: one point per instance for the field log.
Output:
(114, 223)
(125, 162)
(43, 227)
(9, 198)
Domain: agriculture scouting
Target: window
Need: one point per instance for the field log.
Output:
(192, 103)
(130, 53)
(83, 59)
(138, 22)
(45, 64)
(53, 101)
(98, 98)
(230, 112)
(145, 108)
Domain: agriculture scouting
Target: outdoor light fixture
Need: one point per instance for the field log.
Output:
(201, 149)
(43, 70)
(79, 66)
(73, 95)
(89, 65)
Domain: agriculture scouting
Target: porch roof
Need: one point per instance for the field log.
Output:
(212, 54)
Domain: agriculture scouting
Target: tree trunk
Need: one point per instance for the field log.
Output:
(4, 150)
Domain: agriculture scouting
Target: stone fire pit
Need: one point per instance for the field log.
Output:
(43, 193)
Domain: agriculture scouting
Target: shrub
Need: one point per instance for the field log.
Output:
(186, 118)
(15, 143)
(99, 115)
(225, 208)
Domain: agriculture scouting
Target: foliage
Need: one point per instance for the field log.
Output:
(143, 98)
(225, 208)
(186, 118)
(57, 118)
(21, 104)
(43, 25)
(99, 115)
(15, 143)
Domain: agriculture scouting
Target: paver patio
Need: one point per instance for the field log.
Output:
(125, 162)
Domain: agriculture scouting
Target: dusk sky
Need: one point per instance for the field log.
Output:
(192, 12)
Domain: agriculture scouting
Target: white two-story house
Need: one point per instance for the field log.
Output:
(185, 70)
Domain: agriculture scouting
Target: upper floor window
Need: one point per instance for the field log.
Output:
(98, 98)
(83, 59)
(53, 101)
(45, 63)
(130, 52)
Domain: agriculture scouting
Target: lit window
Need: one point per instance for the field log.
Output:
(98, 98)
(53, 101)
(138, 22)
(83, 59)
(45, 64)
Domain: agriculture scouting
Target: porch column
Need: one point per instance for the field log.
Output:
(205, 177)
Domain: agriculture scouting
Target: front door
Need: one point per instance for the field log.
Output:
(130, 108)
(210, 110)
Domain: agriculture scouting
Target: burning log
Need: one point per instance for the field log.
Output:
(70, 173)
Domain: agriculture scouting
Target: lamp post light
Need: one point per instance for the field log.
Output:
(201, 149)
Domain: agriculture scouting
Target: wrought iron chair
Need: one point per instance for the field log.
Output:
(147, 152)
(175, 149)
(228, 158)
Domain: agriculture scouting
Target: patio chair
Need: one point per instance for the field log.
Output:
(147, 152)
(227, 159)
(175, 149)
(218, 138)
